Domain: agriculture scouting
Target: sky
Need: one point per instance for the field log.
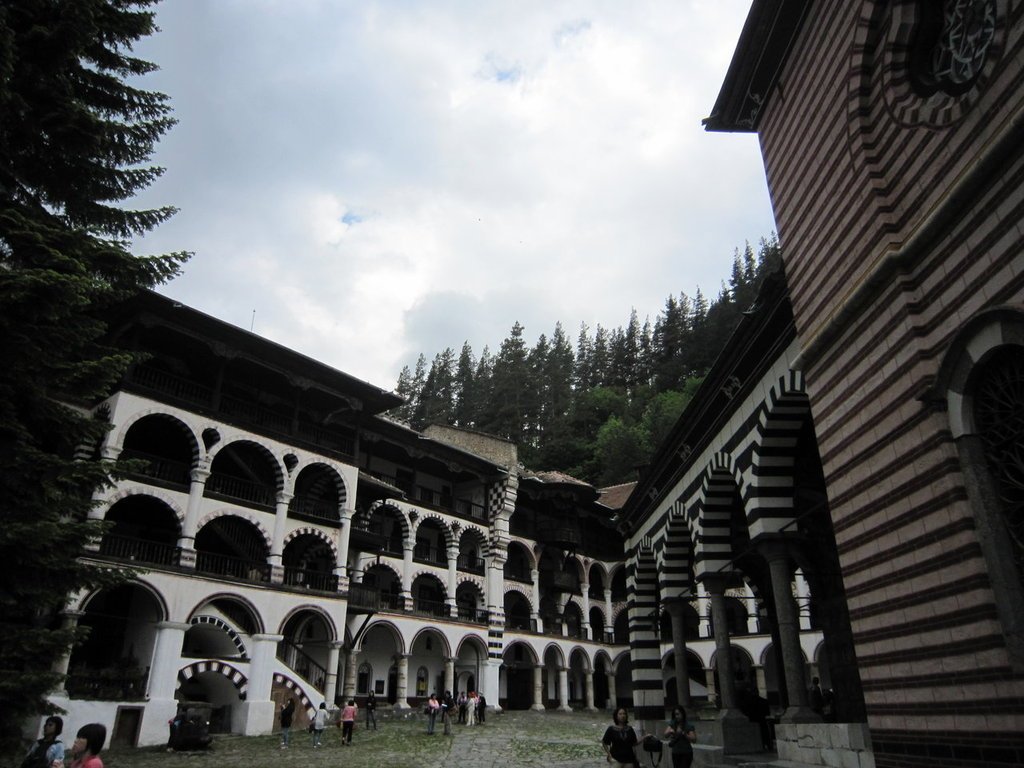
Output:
(366, 181)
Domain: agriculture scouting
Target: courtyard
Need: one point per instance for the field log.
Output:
(511, 739)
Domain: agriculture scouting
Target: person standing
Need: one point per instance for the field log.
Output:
(471, 708)
(619, 740)
(447, 705)
(47, 752)
(481, 708)
(348, 722)
(462, 706)
(371, 711)
(681, 735)
(815, 697)
(287, 713)
(88, 745)
(433, 707)
(319, 723)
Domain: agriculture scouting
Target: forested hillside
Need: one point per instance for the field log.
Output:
(595, 409)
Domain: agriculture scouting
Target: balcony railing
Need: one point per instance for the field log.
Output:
(315, 509)
(110, 684)
(139, 550)
(239, 490)
(436, 608)
(318, 580)
(201, 397)
(520, 576)
(473, 615)
(158, 467)
(471, 562)
(234, 567)
(300, 661)
(427, 553)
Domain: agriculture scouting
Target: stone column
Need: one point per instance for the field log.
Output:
(675, 607)
(331, 684)
(187, 541)
(401, 700)
(258, 706)
(277, 544)
(351, 674)
(344, 538)
(798, 711)
(762, 682)
(588, 683)
(69, 620)
(704, 628)
(453, 555)
(753, 620)
(535, 620)
(407, 547)
(588, 632)
(563, 625)
(563, 689)
(803, 593)
(538, 688)
(612, 695)
(449, 674)
(723, 648)
(163, 677)
(709, 683)
(609, 625)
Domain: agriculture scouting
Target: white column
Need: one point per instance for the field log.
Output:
(449, 674)
(401, 701)
(612, 696)
(703, 610)
(609, 626)
(588, 633)
(69, 620)
(351, 672)
(277, 543)
(187, 541)
(163, 680)
(344, 538)
(588, 681)
(563, 689)
(750, 605)
(453, 554)
(407, 547)
(538, 624)
(538, 688)
(492, 678)
(803, 596)
(258, 706)
(331, 684)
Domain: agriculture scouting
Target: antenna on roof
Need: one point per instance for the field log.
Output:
(253, 323)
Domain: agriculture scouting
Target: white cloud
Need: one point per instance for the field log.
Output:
(379, 180)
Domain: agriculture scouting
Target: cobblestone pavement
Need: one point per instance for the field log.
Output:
(507, 740)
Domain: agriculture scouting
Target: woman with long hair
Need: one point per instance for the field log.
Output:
(619, 740)
(681, 735)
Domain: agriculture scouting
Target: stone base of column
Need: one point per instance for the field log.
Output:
(400, 705)
(277, 574)
(538, 707)
(800, 715)
(565, 708)
(258, 717)
(187, 559)
(731, 732)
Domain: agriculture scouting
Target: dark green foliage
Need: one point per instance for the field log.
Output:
(74, 137)
(600, 413)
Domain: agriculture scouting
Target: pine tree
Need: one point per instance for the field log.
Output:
(75, 140)
(583, 370)
(404, 388)
(465, 388)
(511, 399)
(600, 367)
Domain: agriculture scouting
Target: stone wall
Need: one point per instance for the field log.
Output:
(837, 745)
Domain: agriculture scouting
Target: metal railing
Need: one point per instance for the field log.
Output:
(314, 508)
(240, 490)
(109, 684)
(473, 615)
(318, 580)
(436, 608)
(305, 665)
(139, 550)
(428, 553)
(235, 567)
(470, 562)
(175, 386)
(158, 467)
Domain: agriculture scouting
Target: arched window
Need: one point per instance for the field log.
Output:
(982, 384)
(363, 679)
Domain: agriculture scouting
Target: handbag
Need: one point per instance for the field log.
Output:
(652, 746)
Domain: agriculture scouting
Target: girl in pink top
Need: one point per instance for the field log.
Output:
(348, 722)
(87, 747)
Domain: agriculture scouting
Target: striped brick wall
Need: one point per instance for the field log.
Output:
(899, 222)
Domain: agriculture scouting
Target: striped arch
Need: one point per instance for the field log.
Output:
(336, 474)
(237, 679)
(150, 491)
(132, 420)
(446, 529)
(280, 474)
(297, 690)
(467, 578)
(431, 573)
(215, 621)
(617, 608)
(769, 502)
(384, 565)
(395, 507)
(249, 517)
(677, 554)
(713, 543)
(521, 589)
(644, 644)
(312, 532)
